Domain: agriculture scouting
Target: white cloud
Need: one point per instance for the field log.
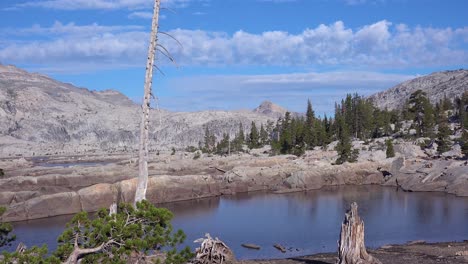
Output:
(141, 14)
(361, 2)
(381, 45)
(278, 1)
(198, 13)
(98, 4)
(289, 90)
(70, 29)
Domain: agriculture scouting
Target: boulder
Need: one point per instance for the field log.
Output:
(44, 206)
(97, 196)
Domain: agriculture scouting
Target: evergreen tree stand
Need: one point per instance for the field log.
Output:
(351, 248)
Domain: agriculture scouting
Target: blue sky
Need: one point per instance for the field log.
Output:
(235, 54)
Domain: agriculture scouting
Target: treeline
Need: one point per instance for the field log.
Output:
(355, 118)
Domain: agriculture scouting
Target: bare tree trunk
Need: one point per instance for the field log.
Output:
(351, 247)
(140, 193)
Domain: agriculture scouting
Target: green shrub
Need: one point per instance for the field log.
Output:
(132, 231)
(5, 229)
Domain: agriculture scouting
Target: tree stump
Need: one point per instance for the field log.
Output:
(212, 251)
(351, 247)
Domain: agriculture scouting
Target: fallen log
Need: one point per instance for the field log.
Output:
(251, 246)
(351, 246)
(280, 248)
(218, 169)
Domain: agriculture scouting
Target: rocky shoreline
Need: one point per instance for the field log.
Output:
(416, 252)
(42, 187)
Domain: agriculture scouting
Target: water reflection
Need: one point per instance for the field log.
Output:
(305, 222)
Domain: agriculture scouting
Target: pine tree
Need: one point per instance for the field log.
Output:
(239, 139)
(446, 103)
(423, 113)
(349, 114)
(264, 139)
(416, 107)
(328, 125)
(240, 134)
(428, 120)
(320, 132)
(222, 147)
(209, 141)
(464, 143)
(462, 104)
(310, 134)
(443, 140)
(390, 152)
(286, 137)
(253, 136)
(344, 144)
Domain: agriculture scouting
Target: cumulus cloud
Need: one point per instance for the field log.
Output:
(289, 90)
(98, 4)
(70, 29)
(381, 45)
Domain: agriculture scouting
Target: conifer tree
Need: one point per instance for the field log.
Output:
(446, 103)
(390, 152)
(286, 137)
(464, 143)
(423, 113)
(443, 139)
(253, 136)
(239, 139)
(310, 134)
(264, 139)
(222, 147)
(344, 141)
(209, 141)
(462, 104)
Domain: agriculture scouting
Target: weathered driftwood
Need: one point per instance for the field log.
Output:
(351, 247)
(251, 246)
(218, 169)
(280, 248)
(212, 251)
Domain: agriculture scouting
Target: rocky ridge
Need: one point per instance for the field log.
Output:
(36, 188)
(436, 85)
(42, 116)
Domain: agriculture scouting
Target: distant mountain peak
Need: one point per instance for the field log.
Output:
(270, 109)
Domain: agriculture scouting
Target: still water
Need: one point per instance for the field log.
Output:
(305, 222)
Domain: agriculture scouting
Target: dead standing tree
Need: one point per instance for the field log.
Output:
(140, 193)
(351, 247)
